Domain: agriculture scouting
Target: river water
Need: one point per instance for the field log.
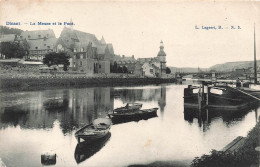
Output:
(36, 122)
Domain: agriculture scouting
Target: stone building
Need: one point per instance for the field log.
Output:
(128, 61)
(88, 54)
(40, 43)
(154, 66)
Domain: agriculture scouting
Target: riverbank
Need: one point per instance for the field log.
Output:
(42, 82)
(245, 156)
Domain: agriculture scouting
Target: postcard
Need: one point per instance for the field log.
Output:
(129, 83)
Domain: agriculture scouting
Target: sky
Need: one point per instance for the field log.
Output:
(136, 28)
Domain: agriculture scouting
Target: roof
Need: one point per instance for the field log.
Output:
(125, 59)
(102, 41)
(42, 44)
(85, 38)
(101, 49)
(79, 39)
(110, 48)
(161, 53)
(148, 60)
(7, 37)
(37, 34)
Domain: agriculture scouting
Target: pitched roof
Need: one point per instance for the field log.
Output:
(110, 48)
(148, 60)
(7, 37)
(125, 59)
(42, 44)
(101, 49)
(38, 34)
(102, 41)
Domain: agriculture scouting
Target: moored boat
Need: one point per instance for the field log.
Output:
(129, 107)
(138, 114)
(218, 95)
(96, 130)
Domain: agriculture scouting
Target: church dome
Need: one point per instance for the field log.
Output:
(161, 53)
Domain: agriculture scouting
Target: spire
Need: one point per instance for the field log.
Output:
(255, 67)
(102, 41)
(161, 45)
(161, 52)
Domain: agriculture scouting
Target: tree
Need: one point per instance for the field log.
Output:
(125, 70)
(12, 50)
(7, 30)
(168, 70)
(113, 67)
(53, 58)
(119, 69)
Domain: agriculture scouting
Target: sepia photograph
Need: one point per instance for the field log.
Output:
(129, 83)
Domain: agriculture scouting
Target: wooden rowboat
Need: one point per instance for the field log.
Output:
(96, 130)
(129, 107)
(138, 114)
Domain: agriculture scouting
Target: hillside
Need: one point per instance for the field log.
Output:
(229, 66)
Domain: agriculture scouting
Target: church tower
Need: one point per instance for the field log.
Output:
(162, 58)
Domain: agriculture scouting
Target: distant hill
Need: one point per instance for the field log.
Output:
(227, 67)
(7, 30)
(232, 66)
(186, 69)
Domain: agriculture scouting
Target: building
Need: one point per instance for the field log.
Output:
(154, 66)
(128, 61)
(14, 38)
(150, 70)
(162, 58)
(88, 54)
(40, 43)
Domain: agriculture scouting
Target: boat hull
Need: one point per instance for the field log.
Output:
(138, 115)
(94, 131)
(229, 100)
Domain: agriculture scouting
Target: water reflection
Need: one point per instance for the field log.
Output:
(71, 107)
(85, 150)
(150, 94)
(206, 116)
(47, 120)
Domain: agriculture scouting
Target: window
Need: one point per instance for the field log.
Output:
(80, 63)
(36, 47)
(151, 70)
(39, 36)
(29, 36)
(81, 56)
(99, 65)
(48, 47)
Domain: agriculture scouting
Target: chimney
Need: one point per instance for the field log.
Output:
(133, 56)
(123, 56)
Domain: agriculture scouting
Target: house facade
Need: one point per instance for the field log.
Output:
(40, 43)
(128, 61)
(88, 54)
(154, 66)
